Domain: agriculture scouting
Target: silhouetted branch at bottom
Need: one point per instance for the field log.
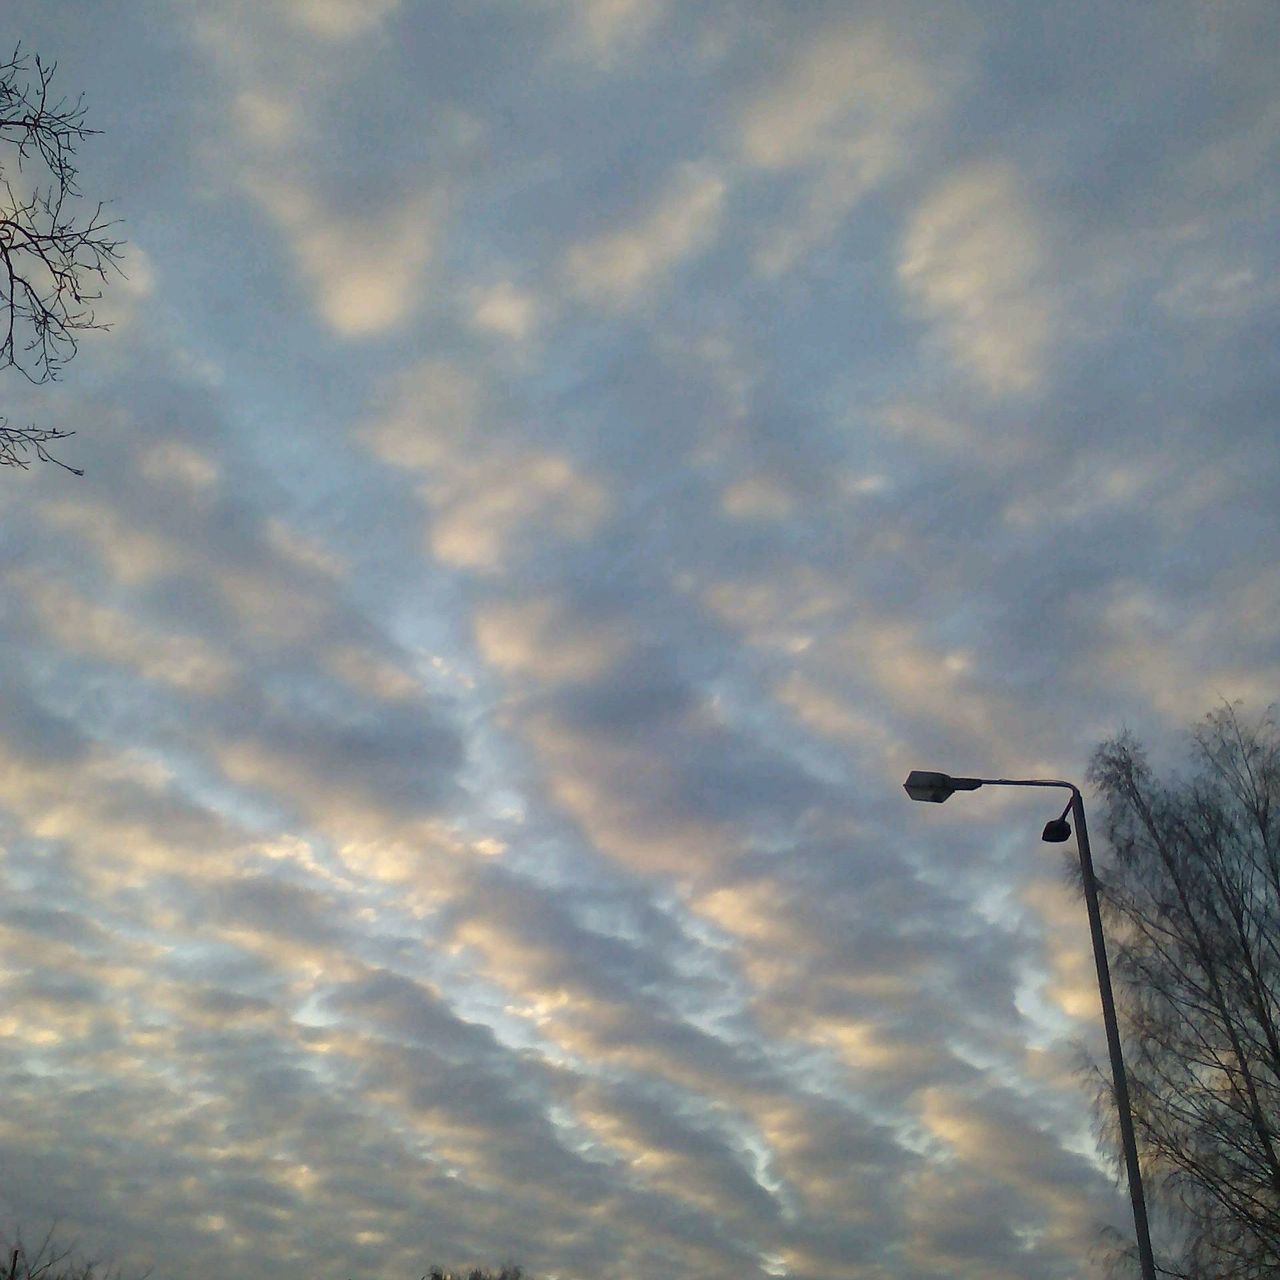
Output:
(49, 1261)
(52, 1261)
(476, 1273)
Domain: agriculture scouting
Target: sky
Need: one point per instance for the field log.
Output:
(555, 466)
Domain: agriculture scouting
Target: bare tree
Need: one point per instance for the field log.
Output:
(1192, 891)
(55, 258)
(508, 1272)
(49, 1261)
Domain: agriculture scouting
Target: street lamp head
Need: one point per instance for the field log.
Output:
(921, 785)
(936, 787)
(1058, 830)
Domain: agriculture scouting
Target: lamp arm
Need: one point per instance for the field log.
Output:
(1030, 782)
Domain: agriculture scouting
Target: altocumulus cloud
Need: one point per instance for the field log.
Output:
(555, 467)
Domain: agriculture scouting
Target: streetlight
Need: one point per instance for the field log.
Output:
(937, 787)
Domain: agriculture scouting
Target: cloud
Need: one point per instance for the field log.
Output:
(1146, 644)
(311, 743)
(844, 114)
(340, 19)
(475, 528)
(111, 635)
(995, 1147)
(505, 310)
(363, 258)
(131, 554)
(366, 270)
(617, 266)
(602, 28)
(482, 498)
(528, 638)
(557, 469)
(972, 259)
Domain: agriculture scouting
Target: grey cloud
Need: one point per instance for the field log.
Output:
(269, 905)
(642, 691)
(550, 922)
(50, 738)
(222, 1003)
(411, 1013)
(47, 923)
(405, 757)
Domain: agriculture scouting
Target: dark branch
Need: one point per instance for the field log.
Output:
(54, 259)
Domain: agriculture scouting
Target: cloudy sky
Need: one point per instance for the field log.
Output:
(556, 465)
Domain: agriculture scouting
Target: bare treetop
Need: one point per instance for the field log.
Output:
(1193, 892)
(54, 258)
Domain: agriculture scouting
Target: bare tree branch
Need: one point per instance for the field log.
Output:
(53, 262)
(1192, 895)
(18, 445)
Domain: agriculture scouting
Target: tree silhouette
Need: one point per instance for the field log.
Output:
(1192, 895)
(53, 259)
(508, 1272)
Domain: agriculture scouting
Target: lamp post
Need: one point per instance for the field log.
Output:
(937, 787)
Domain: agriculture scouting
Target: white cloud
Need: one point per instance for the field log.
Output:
(757, 497)
(847, 92)
(112, 635)
(364, 262)
(973, 260)
(845, 114)
(1217, 286)
(505, 310)
(619, 265)
(600, 30)
(433, 410)
(1180, 658)
(270, 606)
(364, 670)
(1072, 980)
(620, 794)
(927, 426)
(173, 464)
(531, 639)
(367, 271)
(485, 494)
(267, 119)
(304, 552)
(480, 508)
(340, 19)
(131, 554)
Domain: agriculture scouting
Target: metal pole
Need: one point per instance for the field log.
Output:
(1128, 1141)
(1123, 1110)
